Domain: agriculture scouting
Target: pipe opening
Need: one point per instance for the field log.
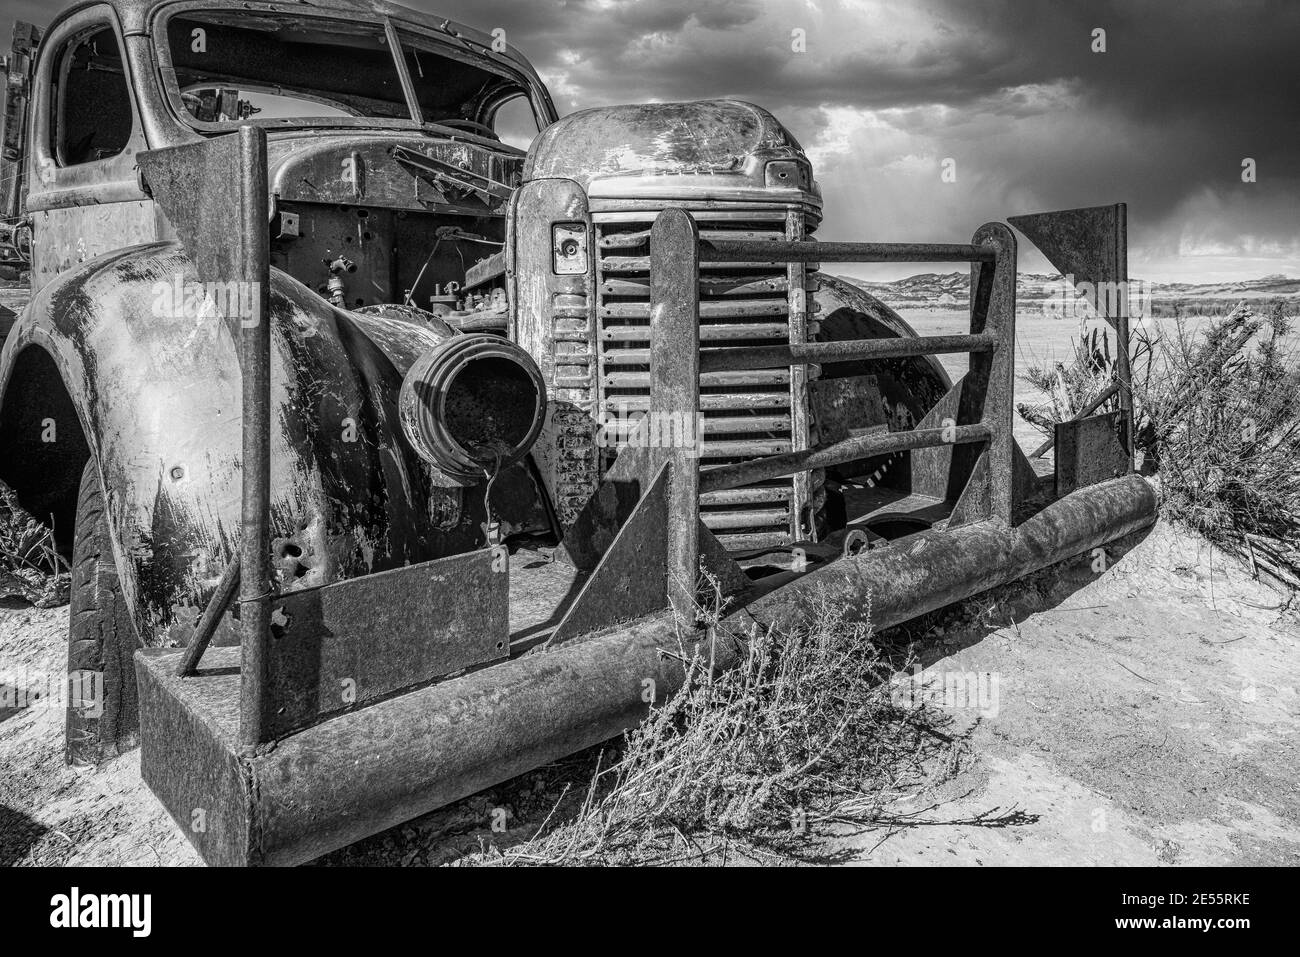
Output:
(471, 404)
(490, 407)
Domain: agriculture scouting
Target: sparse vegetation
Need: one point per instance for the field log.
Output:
(30, 566)
(803, 732)
(1217, 418)
(1221, 418)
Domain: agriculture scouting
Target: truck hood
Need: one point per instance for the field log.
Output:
(620, 150)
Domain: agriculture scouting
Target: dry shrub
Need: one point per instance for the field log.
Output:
(1221, 418)
(30, 566)
(1071, 386)
(800, 732)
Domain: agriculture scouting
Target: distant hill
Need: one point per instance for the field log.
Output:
(952, 290)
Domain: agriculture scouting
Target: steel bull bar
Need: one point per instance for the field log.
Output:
(257, 769)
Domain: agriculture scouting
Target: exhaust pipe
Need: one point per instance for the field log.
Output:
(472, 405)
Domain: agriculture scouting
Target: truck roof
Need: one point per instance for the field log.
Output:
(136, 17)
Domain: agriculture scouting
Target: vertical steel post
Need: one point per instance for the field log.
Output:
(1122, 359)
(996, 294)
(674, 418)
(252, 240)
(801, 503)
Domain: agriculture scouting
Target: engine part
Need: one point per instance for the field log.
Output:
(472, 405)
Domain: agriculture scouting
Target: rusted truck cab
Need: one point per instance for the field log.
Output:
(423, 197)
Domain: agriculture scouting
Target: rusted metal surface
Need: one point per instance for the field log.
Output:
(552, 320)
(13, 116)
(741, 358)
(631, 580)
(675, 392)
(472, 405)
(993, 313)
(367, 770)
(723, 251)
(216, 607)
(1090, 449)
(846, 406)
(723, 146)
(225, 235)
(730, 476)
(343, 645)
(743, 414)
(159, 399)
(1087, 410)
(900, 392)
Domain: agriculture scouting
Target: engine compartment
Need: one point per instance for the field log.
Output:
(359, 255)
(368, 221)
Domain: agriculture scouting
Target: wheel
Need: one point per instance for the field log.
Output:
(102, 708)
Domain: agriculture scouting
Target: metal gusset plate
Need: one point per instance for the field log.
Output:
(1089, 244)
(341, 645)
(201, 188)
(1090, 450)
(615, 499)
(631, 580)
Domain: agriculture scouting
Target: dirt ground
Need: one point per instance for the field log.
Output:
(1142, 714)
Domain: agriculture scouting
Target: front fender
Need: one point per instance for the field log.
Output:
(157, 390)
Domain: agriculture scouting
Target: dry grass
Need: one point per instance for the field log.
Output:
(801, 733)
(30, 566)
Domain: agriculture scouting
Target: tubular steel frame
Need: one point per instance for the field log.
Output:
(676, 362)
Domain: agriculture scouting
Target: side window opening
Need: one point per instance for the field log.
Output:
(515, 123)
(93, 118)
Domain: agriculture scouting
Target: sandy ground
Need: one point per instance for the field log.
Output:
(1143, 715)
(1147, 715)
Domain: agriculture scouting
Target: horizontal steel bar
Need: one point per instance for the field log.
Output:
(837, 453)
(753, 518)
(725, 309)
(739, 358)
(761, 252)
(709, 333)
(748, 496)
(641, 380)
(709, 402)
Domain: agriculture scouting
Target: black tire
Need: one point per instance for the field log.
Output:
(103, 718)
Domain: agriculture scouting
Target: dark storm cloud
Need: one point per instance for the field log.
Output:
(1009, 89)
(1211, 83)
(1012, 90)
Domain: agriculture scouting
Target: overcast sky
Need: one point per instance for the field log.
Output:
(1010, 90)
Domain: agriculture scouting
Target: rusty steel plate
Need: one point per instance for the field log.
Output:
(1090, 450)
(847, 406)
(342, 645)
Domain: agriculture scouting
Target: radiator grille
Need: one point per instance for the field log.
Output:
(745, 414)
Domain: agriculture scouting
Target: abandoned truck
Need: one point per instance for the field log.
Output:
(349, 411)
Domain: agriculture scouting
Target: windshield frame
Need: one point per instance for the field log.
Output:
(454, 46)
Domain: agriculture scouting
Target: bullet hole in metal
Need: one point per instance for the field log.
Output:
(279, 622)
(367, 235)
(348, 239)
(177, 473)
